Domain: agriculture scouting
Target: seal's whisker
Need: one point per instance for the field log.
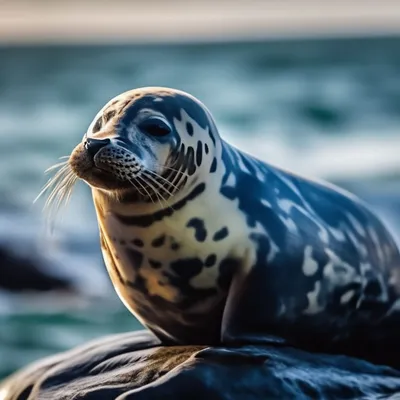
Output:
(178, 179)
(158, 195)
(172, 169)
(65, 195)
(180, 164)
(57, 180)
(58, 199)
(52, 181)
(159, 184)
(67, 189)
(165, 180)
(136, 188)
(61, 185)
(153, 180)
(55, 166)
(155, 192)
(145, 189)
(179, 173)
(170, 194)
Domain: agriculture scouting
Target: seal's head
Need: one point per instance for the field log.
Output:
(146, 143)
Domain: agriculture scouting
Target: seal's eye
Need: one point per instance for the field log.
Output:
(155, 127)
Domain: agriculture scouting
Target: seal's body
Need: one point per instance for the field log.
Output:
(206, 244)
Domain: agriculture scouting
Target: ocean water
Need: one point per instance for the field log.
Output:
(329, 109)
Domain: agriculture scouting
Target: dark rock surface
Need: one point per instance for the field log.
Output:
(135, 366)
(20, 273)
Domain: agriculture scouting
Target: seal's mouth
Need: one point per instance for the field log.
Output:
(100, 172)
(99, 167)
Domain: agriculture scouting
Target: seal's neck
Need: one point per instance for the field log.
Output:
(110, 202)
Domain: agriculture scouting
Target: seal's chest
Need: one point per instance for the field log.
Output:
(168, 263)
(178, 260)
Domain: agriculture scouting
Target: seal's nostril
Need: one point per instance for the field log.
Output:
(94, 145)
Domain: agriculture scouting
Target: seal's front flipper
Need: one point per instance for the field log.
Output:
(248, 318)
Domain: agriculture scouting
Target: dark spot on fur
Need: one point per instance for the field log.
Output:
(122, 242)
(206, 148)
(107, 116)
(174, 245)
(138, 242)
(187, 268)
(199, 153)
(221, 234)
(181, 155)
(200, 232)
(213, 167)
(210, 260)
(135, 257)
(138, 284)
(158, 241)
(189, 128)
(212, 128)
(155, 264)
(123, 106)
(114, 267)
(183, 182)
(147, 220)
(190, 161)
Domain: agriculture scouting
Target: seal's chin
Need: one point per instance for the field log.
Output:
(94, 172)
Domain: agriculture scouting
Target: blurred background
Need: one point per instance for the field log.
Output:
(310, 85)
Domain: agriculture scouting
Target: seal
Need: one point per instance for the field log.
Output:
(207, 244)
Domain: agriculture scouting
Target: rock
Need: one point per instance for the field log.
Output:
(18, 274)
(135, 366)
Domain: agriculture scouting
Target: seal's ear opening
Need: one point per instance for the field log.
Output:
(93, 146)
(155, 127)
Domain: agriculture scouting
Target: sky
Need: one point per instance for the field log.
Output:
(44, 21)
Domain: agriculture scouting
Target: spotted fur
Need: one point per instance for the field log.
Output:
(240, 250)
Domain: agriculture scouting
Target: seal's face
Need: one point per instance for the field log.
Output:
(140, 144)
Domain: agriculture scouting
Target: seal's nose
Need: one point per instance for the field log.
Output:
(94, 145)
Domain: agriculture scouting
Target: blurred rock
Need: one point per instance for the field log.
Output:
(135, 366)
(20, 273)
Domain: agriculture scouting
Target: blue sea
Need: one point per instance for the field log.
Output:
(325, 108)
